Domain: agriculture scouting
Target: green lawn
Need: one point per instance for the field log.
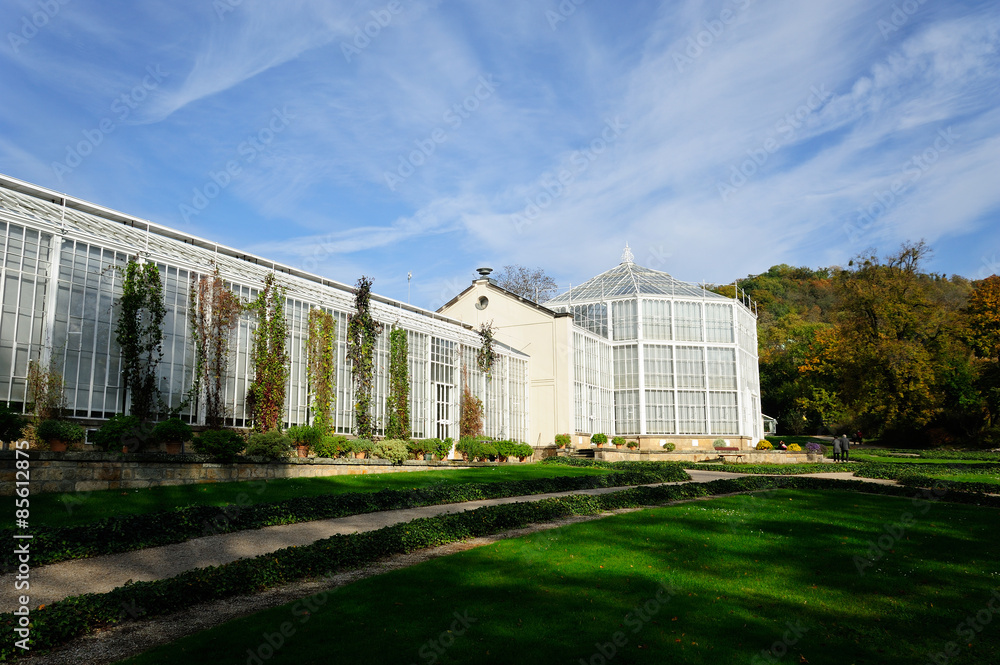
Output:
(82, 507)
(721, 581)
(860, 456)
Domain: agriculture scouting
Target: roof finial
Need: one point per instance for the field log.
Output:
(627, 255)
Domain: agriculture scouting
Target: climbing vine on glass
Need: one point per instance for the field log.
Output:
(470, 410)
(362, 335)
(486, 356)
(139, 333)
(269, 356)
(321, 356)
(214, 314)
(397, 407)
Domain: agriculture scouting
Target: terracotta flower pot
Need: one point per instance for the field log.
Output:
(359, 455)
(174, 447)
(302, 451)
(57, 446)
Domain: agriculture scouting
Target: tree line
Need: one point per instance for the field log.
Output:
(882, 347)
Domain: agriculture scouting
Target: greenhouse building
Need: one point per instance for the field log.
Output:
(631, 352)
(61, 282)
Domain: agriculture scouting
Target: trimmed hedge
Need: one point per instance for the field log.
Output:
(67, 619)
(134, 532)
(780, 469)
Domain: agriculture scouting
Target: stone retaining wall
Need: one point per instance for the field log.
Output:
(83, 472)
(749, 456)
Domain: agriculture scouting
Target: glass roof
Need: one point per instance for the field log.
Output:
(628, 279)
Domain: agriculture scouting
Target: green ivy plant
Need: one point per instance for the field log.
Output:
(321, 357)
(139, 333)
(397, 405)
(362, 335)
(486, 355)
(270, 357)
(214, 314)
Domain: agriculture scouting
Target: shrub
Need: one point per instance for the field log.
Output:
(273, 445)
(795, 448)
(719, 443)
(394, 450)
(618, 440)
(332, 446)
(305, 435)
(599, 438)
(816, 448)
(632, 444)
(441, 448)
(514, 449)
(222, 444)
(418, 448)
(764, 445)
(362, 446)
(120, 430)
(563, 440)
(475, 448)
(670, 446)
(174, 430)
(61, 430)
(11, 423)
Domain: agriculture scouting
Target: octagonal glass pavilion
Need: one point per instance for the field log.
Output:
(657, 356)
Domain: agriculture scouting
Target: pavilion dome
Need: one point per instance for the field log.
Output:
(629, 279)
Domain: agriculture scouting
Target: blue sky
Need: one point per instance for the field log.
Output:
(381, 138)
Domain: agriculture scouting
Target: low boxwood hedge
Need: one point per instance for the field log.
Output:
(133, 532)
(779, 469)
(64, 620)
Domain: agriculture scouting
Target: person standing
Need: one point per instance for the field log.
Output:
(836, 449)
(845, 448)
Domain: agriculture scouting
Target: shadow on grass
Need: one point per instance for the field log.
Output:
(758, 577)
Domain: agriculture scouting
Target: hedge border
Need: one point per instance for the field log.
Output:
(64, 620)
(127, 533)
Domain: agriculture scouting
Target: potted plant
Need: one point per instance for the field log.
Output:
(619, 441)
(670, 446)
(562, 440)
(362, 448)
(172, 433)
(815, 452)
(304, 437)
(522, 451)
(60, 433)
(222, 444)
(632, 445)
(441, 449)
(599, 439)
(272, 445)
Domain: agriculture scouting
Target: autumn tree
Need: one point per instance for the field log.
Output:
(888, 331)
(534, 285)
(983, 333)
